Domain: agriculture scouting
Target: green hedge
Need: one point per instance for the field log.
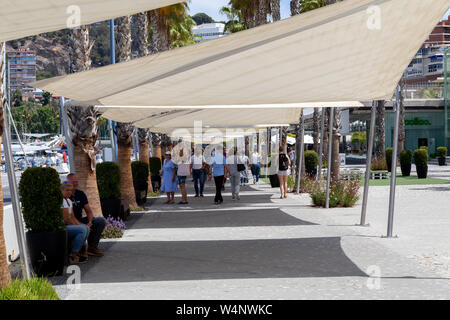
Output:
(41, 197)
(140, 171)
(155, 166)
(108, 180)
(441, 152)
(406, 157)
(421, 157)
(311, 161)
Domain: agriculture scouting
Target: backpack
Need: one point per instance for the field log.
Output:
(284, 162)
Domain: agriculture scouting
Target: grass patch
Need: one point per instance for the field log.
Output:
(136, 209)
(405, 181)
(32, 289)
(154, 194)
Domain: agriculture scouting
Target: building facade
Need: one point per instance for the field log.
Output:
(208, 31)
(22, 68)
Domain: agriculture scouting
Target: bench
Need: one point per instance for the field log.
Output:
(379, 174)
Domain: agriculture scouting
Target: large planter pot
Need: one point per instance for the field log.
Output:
(274, 181)
(311, 173)
(422, 171)
(442, 161)
(406, 169)
(48, 252)
(141, 190)
(124, 209)
(156, 182)
(111, 207)
(389, 165)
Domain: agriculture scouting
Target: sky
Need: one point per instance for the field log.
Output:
(212, 7)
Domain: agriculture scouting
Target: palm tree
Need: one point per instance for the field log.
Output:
(124, 131)
(235, 21)
(401, 129)
(142, 44)
(83, 122)
(316, 119)
(275, 10)
(156, 142)
(381, 126)
(5, 276)
(295, 7)
(249, 9)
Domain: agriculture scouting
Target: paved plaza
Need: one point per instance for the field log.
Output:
(262, 247)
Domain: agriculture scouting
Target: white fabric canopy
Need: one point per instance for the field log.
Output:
(22, 18)
(352, 50)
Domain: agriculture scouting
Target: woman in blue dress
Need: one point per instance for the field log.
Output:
(169, 183)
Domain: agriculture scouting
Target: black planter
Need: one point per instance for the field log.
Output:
(111, 208)
(422, 171)
(141, 190)
(156, 182)
(406, 169)
(48, 252)
(124, 209)
(442, 161)
(274, 181)
(389, 165)
(311, 173)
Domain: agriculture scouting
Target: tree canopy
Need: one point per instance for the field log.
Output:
(201, 18)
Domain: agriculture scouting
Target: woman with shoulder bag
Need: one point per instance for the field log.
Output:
(283, 172)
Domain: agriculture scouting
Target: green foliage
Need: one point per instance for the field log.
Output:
(201, 18)
(359, 137)
(44, 74)
(44, 120)
(342, 193)
(29, 289)
(41, 197)
(441, 152)
(140, 171)
(421, 157)
(406, 157)
(108, 180)
(155, 166)
(235, 22)
(16, 98)
(378, 164)
(311, 161)
(46, 97)
(424, 148)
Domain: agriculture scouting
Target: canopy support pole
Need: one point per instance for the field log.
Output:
(63, 111)
(368, 165)
(112, 55)
(300, 153)
(26, 273)
(394, 163)
(322, 136)
(330, 150)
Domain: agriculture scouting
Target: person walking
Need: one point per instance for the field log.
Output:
(283, 171)
(198, 165)
(244, 173)
(235, 176)
(219, 169)
(256, 166)
(169, 175)
(183, 171)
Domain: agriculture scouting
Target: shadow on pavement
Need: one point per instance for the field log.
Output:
(129, 261)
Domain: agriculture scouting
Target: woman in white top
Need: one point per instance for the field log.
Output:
(183, 171)
(75, 230)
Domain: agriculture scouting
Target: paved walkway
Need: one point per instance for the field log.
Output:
(262, 247)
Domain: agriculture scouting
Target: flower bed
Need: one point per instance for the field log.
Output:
(114, 228)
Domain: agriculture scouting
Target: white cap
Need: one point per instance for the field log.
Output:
(168, 153)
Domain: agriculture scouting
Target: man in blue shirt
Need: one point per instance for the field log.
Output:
(219, 169)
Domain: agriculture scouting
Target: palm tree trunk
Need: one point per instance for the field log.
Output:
(401, 131)
(294, 7)
(143, 135)
(381, 126)
(124, 38)
(142, 34)
(261, 13)
(275, 8)
(335, 163)
(87, 179)
(316, 130)
(297, 152)
(160, 31)
(126, 177)
(5, 276)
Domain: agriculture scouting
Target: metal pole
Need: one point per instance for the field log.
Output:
(330, 150)
(67, 135)
(300, 154)
(322, 136)
(112, 55)
(394, 163)
(368, 165)
(13, 186)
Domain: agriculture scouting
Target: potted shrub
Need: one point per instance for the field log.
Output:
(155, 168)
(405, 162)
(140, 180)
(441, 153)
(311, 163)
(41, 197)
(108, 183)
(388, 154)
(421, 161)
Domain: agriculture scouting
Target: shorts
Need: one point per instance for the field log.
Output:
(181, 179)
(283, 172)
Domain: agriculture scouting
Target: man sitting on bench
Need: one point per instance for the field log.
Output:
(96, 224)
